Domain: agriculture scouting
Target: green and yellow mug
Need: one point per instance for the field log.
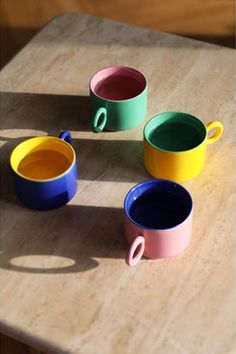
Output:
(175, 145)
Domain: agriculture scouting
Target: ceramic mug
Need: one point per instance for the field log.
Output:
(45, 171)
(175, 145)
(118, 97)
(158, 220)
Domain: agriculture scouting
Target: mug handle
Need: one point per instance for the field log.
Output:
(66, 135)
(101, 114)
(216, 124)
(139, 242)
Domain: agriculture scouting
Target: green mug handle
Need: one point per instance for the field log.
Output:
(100, 115)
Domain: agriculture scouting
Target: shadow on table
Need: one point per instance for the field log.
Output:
(78, 234)
(110, 160)
(25, 115)
(101, 160)
(48, 112)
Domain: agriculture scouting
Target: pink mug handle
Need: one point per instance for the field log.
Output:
(139, 241)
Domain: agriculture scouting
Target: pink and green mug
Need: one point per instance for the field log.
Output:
(118, 97)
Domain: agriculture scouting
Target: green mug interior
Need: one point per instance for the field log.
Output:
(175, 131)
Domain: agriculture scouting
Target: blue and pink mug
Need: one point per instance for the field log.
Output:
(158, 220)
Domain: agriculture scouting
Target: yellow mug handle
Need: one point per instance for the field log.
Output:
(216, 124)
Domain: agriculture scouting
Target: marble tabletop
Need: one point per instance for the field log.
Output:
(65, 287)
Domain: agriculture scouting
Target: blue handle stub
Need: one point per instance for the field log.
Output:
(66, 135)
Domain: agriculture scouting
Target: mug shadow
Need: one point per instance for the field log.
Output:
(78, 234)
(119, 160)
(102, 160)
(110, 160)
(47, 112)
(8, 192)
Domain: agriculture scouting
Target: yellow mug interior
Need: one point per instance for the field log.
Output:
(42, 158)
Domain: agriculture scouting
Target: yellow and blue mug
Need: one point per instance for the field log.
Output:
(175, 145)
(45, 171)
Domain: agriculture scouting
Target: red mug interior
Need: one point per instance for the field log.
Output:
(118, 83)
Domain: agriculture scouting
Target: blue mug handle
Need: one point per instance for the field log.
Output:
(66, 135)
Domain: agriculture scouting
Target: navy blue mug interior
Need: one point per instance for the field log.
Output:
(158, 204)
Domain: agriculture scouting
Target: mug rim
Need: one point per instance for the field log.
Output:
(47, 137)
(122, 67)
(173, 151)
(152, 181)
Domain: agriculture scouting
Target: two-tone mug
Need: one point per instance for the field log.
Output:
(45, 171)
(118, 97)
(175, 145)
(158, 220)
